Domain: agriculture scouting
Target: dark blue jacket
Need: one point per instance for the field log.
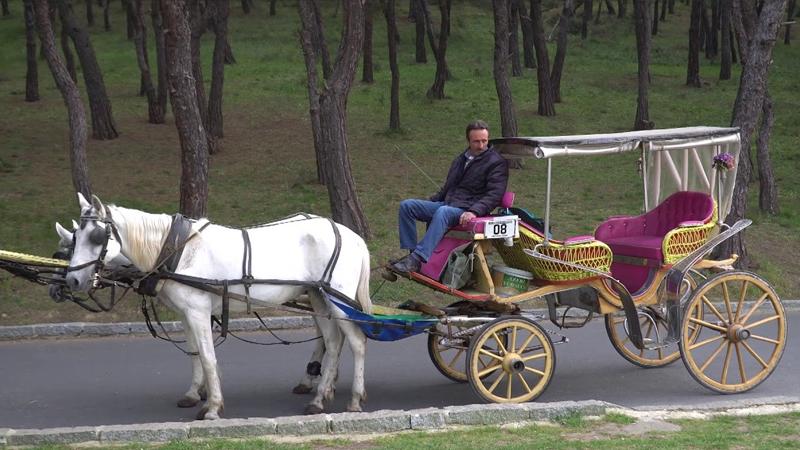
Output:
(479, 187)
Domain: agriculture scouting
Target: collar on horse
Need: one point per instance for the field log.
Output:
(167, 261)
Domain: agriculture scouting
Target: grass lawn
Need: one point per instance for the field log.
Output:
(266, 169)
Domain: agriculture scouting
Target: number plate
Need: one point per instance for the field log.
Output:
(501, 227)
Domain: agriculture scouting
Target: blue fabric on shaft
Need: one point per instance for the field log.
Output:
(381, 328)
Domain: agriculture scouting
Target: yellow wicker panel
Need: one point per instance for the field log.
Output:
(594, 254)
(32, 260)
(679, 242)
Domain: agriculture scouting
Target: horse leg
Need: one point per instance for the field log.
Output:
(313, 369)
(196, 390)
(358, 345)
(330, 361)
(200, 327)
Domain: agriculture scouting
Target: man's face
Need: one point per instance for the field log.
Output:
(478, 141)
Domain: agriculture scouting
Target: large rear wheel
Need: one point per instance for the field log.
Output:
(740, 337)
(511, 360)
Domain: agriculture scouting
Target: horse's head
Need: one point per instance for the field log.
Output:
(93, 242)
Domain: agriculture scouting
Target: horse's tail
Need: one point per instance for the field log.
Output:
(362, 292)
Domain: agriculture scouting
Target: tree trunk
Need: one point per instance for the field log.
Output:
(366, 75)
(693, 68)
(161, 56)
(508, 118)
(72, 99)
(528, 54)
(191, 131)
(345, 206)
(32, 73)
(391, 37)
(641, 11)
(789, 16)
(439, 49)
(4, 4)
(654, 31)
(154, 113)
(318, 38)
(70, 60)
(663, 16)
(512, 26)
(725, 60)
(768, 191)
(197, 23)
(749, 103)
(219, 23)
(419, 23)
(308, 31)
(128, 23)
(103, 126)
(89, 13)
(561, 49)
(247, 6)
(671, 6)
(106, 17)
(621, 7)
(712, 42)
(272, 11)
(587, 16)
(546, 105)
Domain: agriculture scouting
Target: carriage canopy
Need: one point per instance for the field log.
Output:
(675, 159)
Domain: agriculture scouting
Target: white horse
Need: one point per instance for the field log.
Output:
(294, 250)
(114, 259)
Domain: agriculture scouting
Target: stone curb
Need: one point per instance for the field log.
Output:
(91, 329)
(322, 425)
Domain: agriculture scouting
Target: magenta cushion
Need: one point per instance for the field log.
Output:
(637, 246)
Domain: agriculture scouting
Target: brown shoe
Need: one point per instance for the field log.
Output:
(408, 264)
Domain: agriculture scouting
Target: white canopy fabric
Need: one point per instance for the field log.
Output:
(674, 159)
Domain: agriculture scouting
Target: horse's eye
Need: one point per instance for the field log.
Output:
(97, 236)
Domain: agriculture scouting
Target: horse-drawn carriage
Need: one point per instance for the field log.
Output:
(649, 275)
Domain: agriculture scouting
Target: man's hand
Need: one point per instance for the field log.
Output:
(466, 217)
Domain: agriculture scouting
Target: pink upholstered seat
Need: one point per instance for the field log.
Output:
(642, 236)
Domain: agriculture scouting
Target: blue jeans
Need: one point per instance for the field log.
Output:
(439, 217)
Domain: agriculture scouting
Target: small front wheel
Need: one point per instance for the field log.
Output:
(511, 360)
(739, 337)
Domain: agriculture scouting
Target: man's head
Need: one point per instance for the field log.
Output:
(477, 137)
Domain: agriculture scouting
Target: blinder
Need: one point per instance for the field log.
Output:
(99, 236)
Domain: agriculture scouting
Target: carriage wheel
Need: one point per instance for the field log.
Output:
(449, 352)
(741, 335)
(510, 361)
(652, 321)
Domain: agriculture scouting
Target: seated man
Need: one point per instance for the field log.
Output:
(475, 186)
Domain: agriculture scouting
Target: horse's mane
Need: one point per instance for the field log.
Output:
(144, 234)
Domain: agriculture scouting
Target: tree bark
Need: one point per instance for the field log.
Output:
(725, 61)
(103, 126)
(420, 52)
(508, 118)
(89, 13)
(749, 103)
(68, 58)
(561, 49)
(307, 32)
(161, 57)
(4, 4)
(621, 8)
(106, 16)
(189, 123)
(318, 39)
(587, 17)
(345, 206)
(32, 72)
(247, 6)
(72, 99)
(654, 30)
(546, 106)
(768, 191)
(529, 57)
(367, 69)
(391, 38)
(272, 11)
(154, 112)
(787, 39)
(693, 68)
(712, 40)
(197, 23)
(439, 49)
(219, 24)
(641, 11)
(512, 26)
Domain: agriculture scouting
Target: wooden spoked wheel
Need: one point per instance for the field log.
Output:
(449, 352)
(741, 336)
(511, 360)
(652, 321)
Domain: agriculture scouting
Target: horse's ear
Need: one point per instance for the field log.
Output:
(75, 225)
(82, 202)
(98, 207)
(63, 233)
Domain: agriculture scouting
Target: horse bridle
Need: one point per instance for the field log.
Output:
(98, 236)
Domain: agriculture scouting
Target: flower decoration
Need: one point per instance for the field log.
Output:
(724, 162)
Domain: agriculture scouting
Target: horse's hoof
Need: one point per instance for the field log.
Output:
(187, 402)
(302, 389)
(206, 414)
(354, 408)
(312, 409)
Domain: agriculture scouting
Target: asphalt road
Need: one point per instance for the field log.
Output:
(72, 382)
